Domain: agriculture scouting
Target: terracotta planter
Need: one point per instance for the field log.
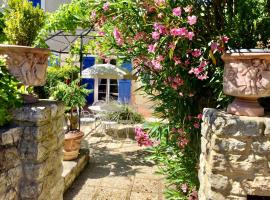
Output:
(27, 64)
(247, 77)
(72, 144)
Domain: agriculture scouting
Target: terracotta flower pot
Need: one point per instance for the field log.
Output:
(247, 77)
(27, 64)
(72, 144)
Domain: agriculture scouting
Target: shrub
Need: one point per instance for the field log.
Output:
(22, 22)
(9, 94)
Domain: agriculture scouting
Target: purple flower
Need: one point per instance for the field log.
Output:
(177, 11)
(156, 64)
(93, 14)
(117, 36)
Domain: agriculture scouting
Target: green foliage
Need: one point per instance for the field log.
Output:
(72, 94)
(9, 95)
(126, 113)
(2, 25)
(56, 74)
(22, 22)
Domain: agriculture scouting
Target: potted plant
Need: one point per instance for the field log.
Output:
(73, 95)
(22, 25)
(247, 77)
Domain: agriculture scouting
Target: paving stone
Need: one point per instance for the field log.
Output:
(143, 196)
(146, 185)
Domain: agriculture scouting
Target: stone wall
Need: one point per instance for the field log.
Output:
(235, 158)
(31, 153)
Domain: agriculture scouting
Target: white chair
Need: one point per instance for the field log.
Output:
(87, 118)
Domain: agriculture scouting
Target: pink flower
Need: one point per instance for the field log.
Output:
(203, 64)
(225, 39)
(106, 6)
(199, 116)
(177, 11)
(160, 58)
(183, 141)
(155, 35)
(196, 53)
(179, 32)
(195, 71)
(117, 36)
(190, 35)
(93, 14)
(151, 48)
(192, 20)
(188, 9)
(160, 28)
(196, 125)
(202, 77)
(156, 64)
(142, 138)
(176, 60)
(101, 33)
(214, 47)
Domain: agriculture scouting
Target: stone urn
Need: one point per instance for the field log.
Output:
(247, 77)
(72, 144)
(27, 64)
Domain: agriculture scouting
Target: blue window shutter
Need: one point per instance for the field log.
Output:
(36, 2)
(88, 62)
(124, 88)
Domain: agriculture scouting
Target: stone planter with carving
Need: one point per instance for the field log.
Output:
(27, 64)
(247, 77)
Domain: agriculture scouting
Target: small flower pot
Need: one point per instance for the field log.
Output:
(72, 144)
(247, 77)
(27, 64)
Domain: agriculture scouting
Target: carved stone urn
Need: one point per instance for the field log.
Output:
(27, 64)
(247, 77)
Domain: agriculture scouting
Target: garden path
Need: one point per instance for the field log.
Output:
(117, 171)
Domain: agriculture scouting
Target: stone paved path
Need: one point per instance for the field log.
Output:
(117, 171)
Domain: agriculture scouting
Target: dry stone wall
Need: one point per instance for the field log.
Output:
(31, 153)
(235, 157)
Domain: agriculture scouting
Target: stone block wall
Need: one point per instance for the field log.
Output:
(31, 153)
(235, 157)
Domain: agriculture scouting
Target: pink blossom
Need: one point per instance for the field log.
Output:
(196, 70)
(187, 62)
(190, 35)
(176, 60)
(203, 64)
(179, 32)
(93, 14)
(106, 6)
(101, 33)
(192, 20)
(225, 39)
(196, 53)
(156, 64)
(177, 11)
(151, 48)
(172, 45)
(160, 28)
(183, 141)
(199, 116)
(188, 9)
(196, 125)
(160, 58)
(142, 138)
(140, 36)
(155, 35)
(214, 47)
(117, 36)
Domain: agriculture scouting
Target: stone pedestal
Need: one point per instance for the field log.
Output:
(235, 157)
(31, 153)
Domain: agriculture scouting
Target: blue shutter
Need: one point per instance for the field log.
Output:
(88, 62)
(36, 2)
(124, 88)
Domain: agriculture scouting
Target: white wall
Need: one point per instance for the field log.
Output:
(52, 5)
